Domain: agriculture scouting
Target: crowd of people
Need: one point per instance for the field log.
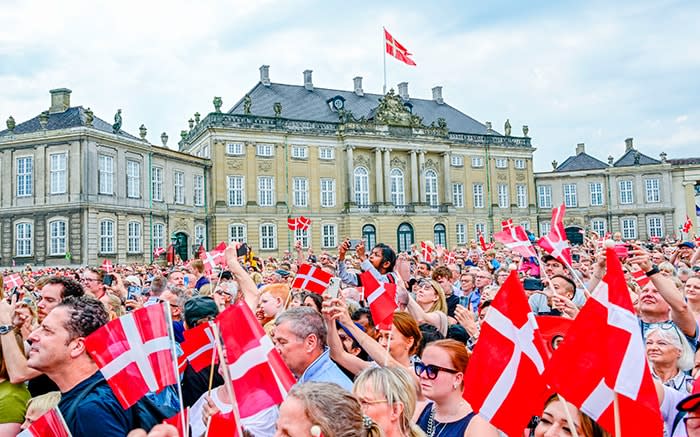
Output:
(354, 377)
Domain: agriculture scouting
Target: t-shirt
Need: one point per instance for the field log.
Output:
(41, 385)
(13, 403)
(261, 424)
(195, 383)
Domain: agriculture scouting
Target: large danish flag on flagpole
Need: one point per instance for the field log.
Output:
(603, 356)
(395, 49)
(555, 242)
(381, 297)
(107, 266)
(506, 367)
(134, 353)
(427, 251)
(259, 376)
(51, 424)
(14, 280)
(199, 345)
(312, 279)
(515, 238)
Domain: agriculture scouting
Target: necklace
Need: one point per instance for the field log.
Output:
(432, 427)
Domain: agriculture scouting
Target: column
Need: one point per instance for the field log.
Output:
(447, 181)
(387, 175)
(421, 177)
(350, 170)
(378, 176)
(414, 177)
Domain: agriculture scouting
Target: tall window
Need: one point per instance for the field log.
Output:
(596, 189)
(106, 236)
(544, 196)
(301, 192)
(521, 194)
(520, 164)
(655, 226)
(105, 174)
(570, 196)
(397, 187)
(23, 239)
(626, 192)
(599, 226)
(200, 234)
(456, 160)
(405, 237)
(431, 188)
(58, 173)
(501, 163)
(458, 195)
(158, 235)
(461, 233)
(234, 149)
(265, 150)
(361, 176)
(179, 184)
(652, 190)
(198, 195)
(268, 236)
(478, 191)
(300, 152)
(440, 234)
(266, 191)
(57, 237)
(480, 229)
(157, 184)
(369, 234)
(329, 237)
(327, 193)
(236, 232)
(133, 237)
(133, 179)
(629, 228)
(503, 201)
(545, 228)
(303, 236)
(325, 153)
(25, 168)
(236, 192)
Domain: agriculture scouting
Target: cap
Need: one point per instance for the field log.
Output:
(692, 401)
(133, 279)
(689, 244)
(199, 307)
(282, 273)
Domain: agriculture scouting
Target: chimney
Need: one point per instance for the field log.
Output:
(357, 83)
(580, 148)
(60, 100)
(265, 75)
(628, 144)
(308, 83)
(437, 95)
(403, 90)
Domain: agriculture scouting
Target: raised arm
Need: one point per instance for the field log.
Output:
(251, 294)
(12, 353)
(347, 360)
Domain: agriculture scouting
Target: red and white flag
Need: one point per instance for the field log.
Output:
(292, 223)
(134, 353)
(688, 225)
(381, 297)
(427, 251)
(483, 244)
(640, 277)
(396, 49)
(506, 367)
(450, 257)
(603, 356)
(199, 346)
(312, 279)
(259, 376)
(507, 224)
(516, 240)
(51, 424)
(107, 266)
(298, 223)
(555, 242)
(214, 258)
(13, 280)
(177, 422)
(223, 424)
(158, 251)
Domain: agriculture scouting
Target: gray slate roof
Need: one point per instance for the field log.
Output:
(71, 117)
(684, 161)
(582, 161)
(627, 160)
(298, 103)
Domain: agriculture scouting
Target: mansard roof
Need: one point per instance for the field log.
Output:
(581, 161)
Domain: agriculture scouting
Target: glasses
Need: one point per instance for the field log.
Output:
(431, 370)
(367, 402)
(89, 280)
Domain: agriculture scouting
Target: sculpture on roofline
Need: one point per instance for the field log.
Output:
(247, 103)
(507, 127)
(117, 126)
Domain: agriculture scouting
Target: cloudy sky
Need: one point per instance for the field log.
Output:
(595, 72)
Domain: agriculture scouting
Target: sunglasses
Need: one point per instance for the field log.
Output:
(431, 370)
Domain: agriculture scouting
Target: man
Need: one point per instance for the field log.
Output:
(87, 403)
(560, 302)
(483, 279)
(93, 281)
(552, 267)
(176, 278)
(176, 297)
(467, 284)
(300, 338)
(202, 284)
(423, 270)
(684, 253)
(157, 288)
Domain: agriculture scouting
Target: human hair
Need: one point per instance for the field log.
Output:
(686, 360)
(441, 303)
(85, 315)
(388, 254)
(441, 272)
(357, 315)
(43, 403)
(304, 321)
(407, 326)
(571, 285)
(427, 265)
(333, 409)
(399, 388)
(279, 290)
(39, 283)
(457, 332)
(99, 272)
(589, 426)
(71, 287)
(429, 334)
(668, 268)
(198, 266)
(459, 355)
(157, 285)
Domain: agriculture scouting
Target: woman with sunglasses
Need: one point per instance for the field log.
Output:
(441, 373)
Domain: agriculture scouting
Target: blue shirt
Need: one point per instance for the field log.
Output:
(323, 369)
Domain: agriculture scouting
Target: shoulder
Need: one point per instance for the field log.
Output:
(479, 427)
(101, 414)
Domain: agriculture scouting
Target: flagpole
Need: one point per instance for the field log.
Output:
(211, 375)
(384, 51)
(229, 384)
(616, 405)
(171, 334)
(569, 418)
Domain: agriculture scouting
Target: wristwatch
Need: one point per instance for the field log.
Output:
(654, 270)
(5, 329)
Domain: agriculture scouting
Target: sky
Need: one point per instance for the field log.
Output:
(592, 72)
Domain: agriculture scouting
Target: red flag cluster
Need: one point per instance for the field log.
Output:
(688, 225)
(299, 223)
(396, 49)
(311, 278)
(427, 251)
(555, 242)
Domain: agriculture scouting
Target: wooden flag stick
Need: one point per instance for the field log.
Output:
(171, 334)
(618, 427)
(227, 381)
(569, 419)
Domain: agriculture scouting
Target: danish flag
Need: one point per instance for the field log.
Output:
(516, 240)
(427, 250)
(507, 224)
(214, 258)
(158, 251)
(199, 346)
(640, 277)
(134, 353)
(603, 357)
(312, 279)
(381, 297)
(483, 244)
(14, 280)
(555, 242)
(51, 424)
(450, 257)
(177, 421)
(687, 225)
(508, 361)
(257, 371)
(395, 49)
(301, 223)
(107, 266)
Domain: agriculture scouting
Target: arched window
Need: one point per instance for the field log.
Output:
(57, 237)
(405, 237)
(107, 236)
(431, 188)
(440, 235)
(361, 187)
(24, 237)
(369, 234)
(397, 189)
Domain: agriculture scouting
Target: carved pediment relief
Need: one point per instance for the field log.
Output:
(397, 162)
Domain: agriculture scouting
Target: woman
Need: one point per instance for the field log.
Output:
(40, 405)
(13, 399)
(388, 396)
(441, 373)
(554, 423)
(25, 317)
(430, 305)
(321, 408)
(669, 358)
(501, 276)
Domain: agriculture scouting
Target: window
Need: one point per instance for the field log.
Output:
(461, 233)
(327, 193)
(361, 176)
(236, 192)
(440, 234)
(236, 232)
(326, 153)
(405, 237)
(458, 195)
(266, 192)
(300, 152)
(457, 160)
(655, 226)
(300, 188)
(198, 195)
(545, 228)
(179, 183)
(265, 150)
(544, 196)
(105, 174)
(134, 237)
(525, 225)
(200, 234)
(599, 226)
(626, 194)
(478, 191)
(570, 197)
(23, 239)
(235, 149)
(520, 164)
(397, 187)
(303, 236)
(157, 184)
(629, 228)
(133, 179)
(596, 189)
(431, 188)
(268, 236)
(503, 201)
(521, 195)
(480, 228)
(106, 236)
(206, 151)
(58, 173)
(477, 161)
(369, 234)
(501, 163)
(25, 168)
(329, 236)
(57, 237)
(158, 236)
(652, 190)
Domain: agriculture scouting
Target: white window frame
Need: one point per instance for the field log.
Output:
(133, 179)
(300, 152)
(545, 228)
(327, 193)
(198, 190)
(105, 174)
(628, 232)
(478, 195)
(456, 160)
(480, 228)
(300, 190)
(266, 191)
(570, 195)
(158, 236)
(265, 150)
(58, 172)
(432, 197)
(24, 239)
(107, 236)
(626, 190)
(58, 229)
(25, 176)
(326, 153)
(361, 181)
(521, 196)
(655, 226)
(652, 188)
(178, 187)
(235, 149)
(503, 197)
(329, 235)
(397, 187)
(303, 235)
(133, 237)
(235, 188)
(200, 234)
(599, 226)
(461, 233)
(237, 232)
(501, 163)
(268, 236)
(157, 183)
(544, 196)
(458, 195)
(596, 191)
(519, 164)
(477, 161)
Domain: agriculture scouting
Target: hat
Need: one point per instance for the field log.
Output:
(692, 401)
(546, 258)
(688, 244)
(199, 307)
(282, 273)
(133, 279)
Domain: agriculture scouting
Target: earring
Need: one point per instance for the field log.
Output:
(316, 431)
(454, 386)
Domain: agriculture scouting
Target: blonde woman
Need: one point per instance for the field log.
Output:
(40, 405)
(430, 305)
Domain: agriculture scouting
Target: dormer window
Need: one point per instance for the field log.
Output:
(408, 106)
(336, 103)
